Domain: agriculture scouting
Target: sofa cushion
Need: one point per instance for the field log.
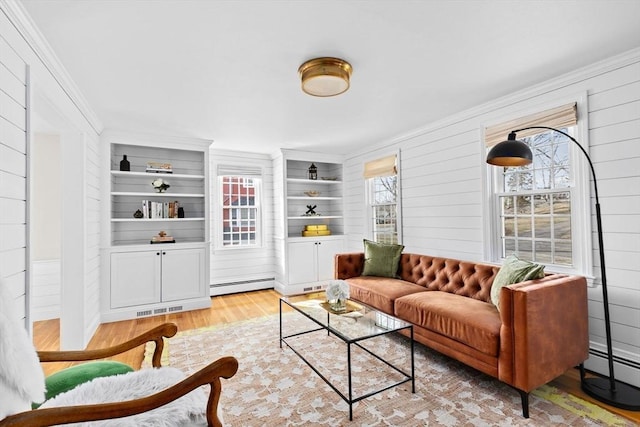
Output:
(381, 259)
(467, 320)
(381, 292)
(514, 270)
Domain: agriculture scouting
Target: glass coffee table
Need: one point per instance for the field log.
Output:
(354, 326)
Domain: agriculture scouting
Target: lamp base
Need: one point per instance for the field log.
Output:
(625, 396)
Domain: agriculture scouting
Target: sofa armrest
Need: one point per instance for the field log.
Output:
(545, 329)
(348, 265)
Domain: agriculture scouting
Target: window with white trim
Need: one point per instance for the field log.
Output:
(383, 199)
(239, 224)
(540, 211)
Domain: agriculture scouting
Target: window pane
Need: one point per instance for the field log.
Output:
(525, 250)
(542, 226)
(509, 226)
(239, 211)
(561, 203)
(543, 252)
(523, 227)
(384, 209)
(562, 227)
(563, 253)
(507, 205)
(523, 204)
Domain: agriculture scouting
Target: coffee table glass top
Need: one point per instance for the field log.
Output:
(358, 322)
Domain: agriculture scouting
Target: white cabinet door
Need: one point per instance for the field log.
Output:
(183, 274)
(302, 262)
(135, 278)
(326, 250)
(312, 261)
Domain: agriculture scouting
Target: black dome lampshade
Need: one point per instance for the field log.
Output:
(510, 153)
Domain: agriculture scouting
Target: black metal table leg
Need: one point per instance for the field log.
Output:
(280, 323)
(349, 377)
(413, 373)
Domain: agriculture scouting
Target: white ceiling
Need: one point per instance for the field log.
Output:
(227, 70)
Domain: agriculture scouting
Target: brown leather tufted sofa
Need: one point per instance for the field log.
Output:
(540, 332)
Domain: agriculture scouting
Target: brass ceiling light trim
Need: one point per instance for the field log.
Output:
(325, 76)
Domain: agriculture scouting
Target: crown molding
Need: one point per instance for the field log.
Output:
(27, 28)
(592, 70)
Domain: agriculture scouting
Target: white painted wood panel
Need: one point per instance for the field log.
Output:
(12, 136)
(45, 293)
(12, 111)
(443, 172)
(13, 87)
(233, 265)
(11, 61)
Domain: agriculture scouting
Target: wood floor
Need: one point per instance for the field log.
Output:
(224, 309)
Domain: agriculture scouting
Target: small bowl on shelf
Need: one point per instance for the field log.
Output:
(312, 193)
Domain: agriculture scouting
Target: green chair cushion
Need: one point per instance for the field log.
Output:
(514, 270)
(69, 378)
(381, 259)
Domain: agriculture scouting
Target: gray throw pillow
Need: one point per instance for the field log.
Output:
(514, 270)
(381, 259)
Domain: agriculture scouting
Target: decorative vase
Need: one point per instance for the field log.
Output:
(180, 212)
(124, 164)
(338, 305)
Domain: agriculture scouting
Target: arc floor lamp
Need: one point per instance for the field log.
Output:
(608, 390)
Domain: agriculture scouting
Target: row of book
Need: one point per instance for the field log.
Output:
(160, 209)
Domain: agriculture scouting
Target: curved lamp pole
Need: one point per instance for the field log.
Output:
(615, 393)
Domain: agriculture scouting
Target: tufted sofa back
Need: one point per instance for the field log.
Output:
(449, 275)
(438, 274)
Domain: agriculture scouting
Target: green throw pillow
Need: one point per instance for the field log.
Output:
(514, 270)
(381, 259)
(69, 378)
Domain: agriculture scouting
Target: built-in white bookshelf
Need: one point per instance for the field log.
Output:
(132, 191)
(141, 276)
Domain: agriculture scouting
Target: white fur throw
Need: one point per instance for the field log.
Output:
(188, 410)
(21, 376)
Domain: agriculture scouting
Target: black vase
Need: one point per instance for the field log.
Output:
(180, 212)
(124, 164)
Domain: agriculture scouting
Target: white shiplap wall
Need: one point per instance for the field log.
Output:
(242, 269)
(443, 173)
(20, 41)
(13, 174)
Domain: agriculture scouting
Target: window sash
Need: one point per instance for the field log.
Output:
(240, 209)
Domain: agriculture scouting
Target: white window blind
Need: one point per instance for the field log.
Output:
(385, 166)
(239, 170)
(560, 117)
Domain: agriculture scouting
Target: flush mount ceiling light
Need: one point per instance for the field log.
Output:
(325, 76)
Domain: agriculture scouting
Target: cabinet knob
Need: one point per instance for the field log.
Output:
(164, 253)
(157, 253)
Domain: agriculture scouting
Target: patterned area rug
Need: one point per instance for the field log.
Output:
(274, 387)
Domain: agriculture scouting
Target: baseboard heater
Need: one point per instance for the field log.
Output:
(621, 360)
(242, 282)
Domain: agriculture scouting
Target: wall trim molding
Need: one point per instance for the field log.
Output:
(587, 72)
(28, 30)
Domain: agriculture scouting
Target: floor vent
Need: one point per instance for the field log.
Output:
(159, 310)
(242, 282)
(176, 308)
(307, 289)
(143, 313)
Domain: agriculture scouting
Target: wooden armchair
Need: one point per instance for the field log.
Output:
(224, 367)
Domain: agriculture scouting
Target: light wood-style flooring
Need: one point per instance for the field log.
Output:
(224, 309)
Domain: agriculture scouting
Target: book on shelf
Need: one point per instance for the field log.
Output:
(159, 210)
(157, 167)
